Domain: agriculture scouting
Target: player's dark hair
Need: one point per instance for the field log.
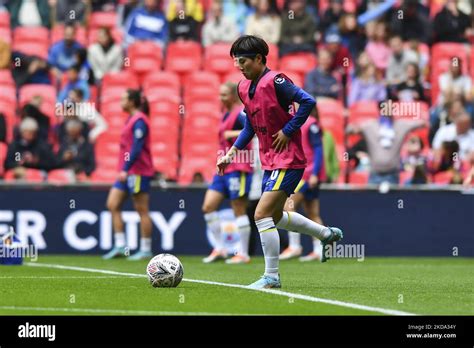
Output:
(135, 97)
(250, 45)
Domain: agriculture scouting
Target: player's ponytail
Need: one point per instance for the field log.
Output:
(135, 96)
(145, 107)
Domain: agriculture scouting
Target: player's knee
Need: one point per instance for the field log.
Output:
(261, 214)
(206, 209)
(112, 206)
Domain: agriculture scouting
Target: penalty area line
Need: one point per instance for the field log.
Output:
(239, 286)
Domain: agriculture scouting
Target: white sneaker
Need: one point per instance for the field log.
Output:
(237, 259)
(214, 256)
(290, 253)
(312, 256)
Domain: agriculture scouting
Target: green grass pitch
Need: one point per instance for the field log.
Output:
(426, 286)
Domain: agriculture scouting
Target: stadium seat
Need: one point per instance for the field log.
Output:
(161, 107)
(183, 57)
(4, 19)
(217, 58)
(358, 178)
(363, 110)
(47, 92)
(411, 111)
(191, 166)
(11, 119)
(203, 107)
(111, 95)
(93, 34)
(104, 175)
(443, 178)
(61, 176)
(6, 35)
(162, 79)
(201, 122)
(301, 63)
(8, 94)
(234, 76)
(102, 19)
(202, 93)
(272, 57)
(57, 34)
(32, 49)
(38, 35)
(404, 177)
(144, 57)
(167, 122)
(31, 175)
(296, 77)
(125, 79)
(167, 165)
(199, 147)
(112, 108)
(3, 155)
(201, 78)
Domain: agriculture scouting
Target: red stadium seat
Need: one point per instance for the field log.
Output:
(200, 147)
(201, 78)
(112, 109)
(124, 79)
(47, 92)
(359, 178)
(167, 165)
(11, 119)
(112, 95)
(31, 175)
(164, 122)
(217, 58)
(361, 111)
(57, 34)
(4, 19)
(296, 77)
(203, 107)
(6, 35)
(32, 49)
(102, 19)
(443, 178)
(183, 57)
(299, 62)
(161, 107)
(411, 110)
(104, 175)
(201, 123)
(192, 165)
(8, 94)
(234, 76)
(38, 35)
(272, 57)
(162, 79)
(3, 155)
(144, 57)
(93, 34)
(61, 176)
(202, 93)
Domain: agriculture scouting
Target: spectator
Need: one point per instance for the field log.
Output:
(33, 111)
(105, 56)
(297, 29)
(469, 178)
(446, 159)
(86, 112)
(29, 151)
(442, 116)
(29, 13)
(422, 57)
(411, 89)
(193, 9)
(124, 10)
(85, 71)
(69, 11)
(397, 63)
(3, 128)
(459, 131)
(218, 28)
(264, 23)
(414, 25)
(76, 152)
(415, 162)
(332, 15)
(103, 5)
(61, 129)
(182, 26)
(331, 160)
(238, 11)
(320, 82)
(454, 82)
(377, 48)
(351, 34)
(342, 59)
(5, 54)
(451, 24)
(146, 23)
(384, 138)
(32, 69)
(62, 55)
(74, 82)
(365, 86)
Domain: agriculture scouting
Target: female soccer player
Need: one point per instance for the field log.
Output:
(136, 171)
(234, 184)
(268, 96)
(307, 191)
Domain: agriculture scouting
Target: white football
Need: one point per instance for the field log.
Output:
(164, 271)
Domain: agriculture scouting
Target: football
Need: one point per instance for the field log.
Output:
(164, 271)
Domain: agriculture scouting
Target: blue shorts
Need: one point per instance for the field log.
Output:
(309, 194)
(232, 185)
(282, 179)
(134, 184)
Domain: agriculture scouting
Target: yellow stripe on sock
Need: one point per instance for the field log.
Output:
(242, 184)
(270, 230)
(137, 184)
(279, 180)
(300, 185)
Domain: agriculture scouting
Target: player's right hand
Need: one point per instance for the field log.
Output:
(222, 163)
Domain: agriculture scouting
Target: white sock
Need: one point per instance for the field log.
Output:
(292, 221)
(243, 224)
(145, 245)
(214, 224)
(294, 239)
(317, 247)
(270, 244)
(119, 239)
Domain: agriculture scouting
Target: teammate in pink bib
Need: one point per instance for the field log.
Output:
(269, 98)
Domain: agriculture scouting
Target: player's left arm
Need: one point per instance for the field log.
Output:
(288, 93)
(140, 130)
(238, 127)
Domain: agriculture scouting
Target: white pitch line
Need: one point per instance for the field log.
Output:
(239, 286)
(102, 311)
(60, 277)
